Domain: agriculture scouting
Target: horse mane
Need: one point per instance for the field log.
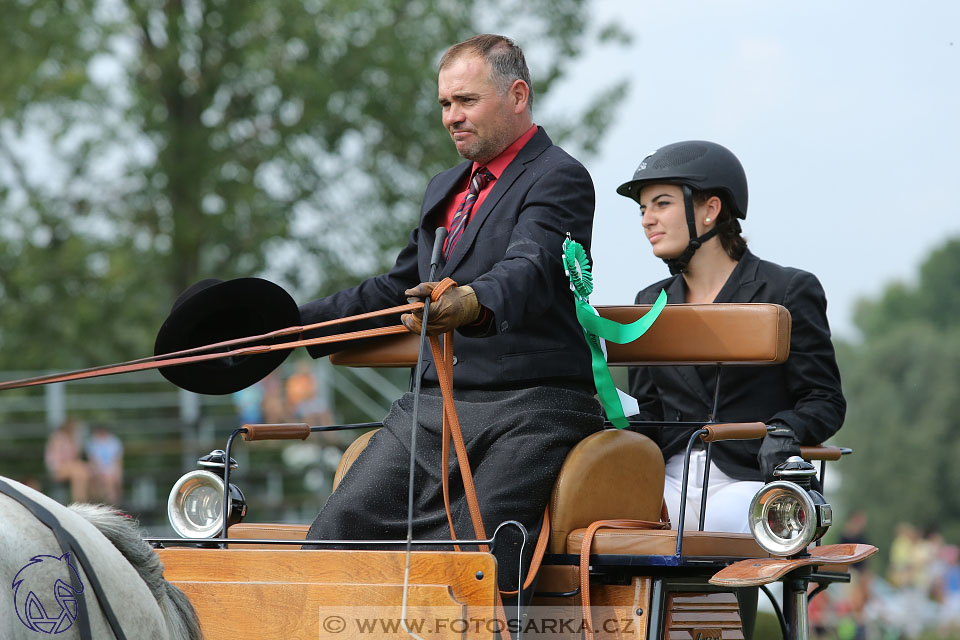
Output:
(125, 534)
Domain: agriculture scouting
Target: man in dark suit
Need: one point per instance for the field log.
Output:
(692, 195)
(522, 372)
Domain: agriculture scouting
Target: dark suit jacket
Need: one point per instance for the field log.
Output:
(803, 393)
(510, 253)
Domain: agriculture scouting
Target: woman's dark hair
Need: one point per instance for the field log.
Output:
(728, 227)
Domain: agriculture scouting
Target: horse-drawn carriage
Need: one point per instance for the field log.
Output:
(607, 565)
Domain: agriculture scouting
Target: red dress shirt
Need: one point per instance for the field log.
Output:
(496, 167)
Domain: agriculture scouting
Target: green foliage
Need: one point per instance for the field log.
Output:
(901, 386)
(931, 300)
(146, 144)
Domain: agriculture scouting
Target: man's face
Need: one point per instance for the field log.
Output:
(481, 122)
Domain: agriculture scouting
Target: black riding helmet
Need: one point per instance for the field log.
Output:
(694, 165)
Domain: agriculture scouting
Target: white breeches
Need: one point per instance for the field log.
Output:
(727, 499)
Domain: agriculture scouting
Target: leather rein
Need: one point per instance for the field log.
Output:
(443, 361)
(192, 355)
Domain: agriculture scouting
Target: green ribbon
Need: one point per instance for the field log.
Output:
(597, 329)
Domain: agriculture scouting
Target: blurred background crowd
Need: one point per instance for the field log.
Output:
(910, 590)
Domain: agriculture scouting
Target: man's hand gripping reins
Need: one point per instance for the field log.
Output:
(450, 307)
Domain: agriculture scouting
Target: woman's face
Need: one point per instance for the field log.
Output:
(664, 219)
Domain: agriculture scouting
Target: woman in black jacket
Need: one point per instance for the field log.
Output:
(692, 196)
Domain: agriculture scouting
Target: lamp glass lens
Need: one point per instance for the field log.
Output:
(782, 518)
(785, 517)
(202, 506)
(194, 505)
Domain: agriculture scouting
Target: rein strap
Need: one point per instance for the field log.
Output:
(443, 361)
(180, 357)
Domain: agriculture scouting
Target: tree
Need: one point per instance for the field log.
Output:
(900, 382)
(145, 144)
(929, 299)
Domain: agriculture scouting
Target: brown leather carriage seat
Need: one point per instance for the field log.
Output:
(617, 474)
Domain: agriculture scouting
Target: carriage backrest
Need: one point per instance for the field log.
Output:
(718, 333)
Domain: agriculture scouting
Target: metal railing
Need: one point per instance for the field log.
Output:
(165, 429)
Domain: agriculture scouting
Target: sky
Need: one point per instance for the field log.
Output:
(845, 115)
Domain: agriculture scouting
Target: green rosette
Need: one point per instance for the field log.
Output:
(597, 329)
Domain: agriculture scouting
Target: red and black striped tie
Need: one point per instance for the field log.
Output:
(460, 219)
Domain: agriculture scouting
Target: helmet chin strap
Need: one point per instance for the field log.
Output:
(679, 264)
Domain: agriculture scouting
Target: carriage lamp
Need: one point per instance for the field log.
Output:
(195, 505)
(787, 515)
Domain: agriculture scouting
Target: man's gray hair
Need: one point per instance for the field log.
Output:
(505, 58)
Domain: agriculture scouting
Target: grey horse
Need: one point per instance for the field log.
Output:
(41, 585)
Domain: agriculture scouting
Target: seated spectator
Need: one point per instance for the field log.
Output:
(64, 461)
(249, 404)
(306, 399)
(274, 403)
(105, 453)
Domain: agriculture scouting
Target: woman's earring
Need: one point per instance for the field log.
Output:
(707, 221)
